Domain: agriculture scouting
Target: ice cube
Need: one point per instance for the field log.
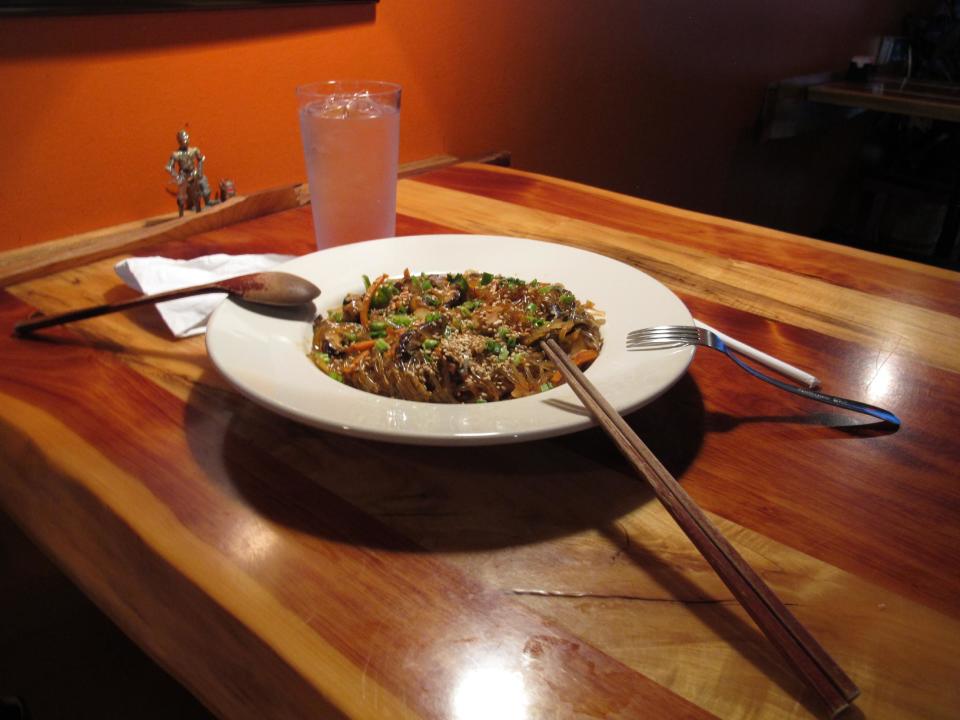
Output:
(346, 105)
(364, 106)
(333, 107)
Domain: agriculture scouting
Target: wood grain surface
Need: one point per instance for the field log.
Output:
(279, 571)
(917, 98)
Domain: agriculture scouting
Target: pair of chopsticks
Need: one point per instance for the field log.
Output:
(808, 658)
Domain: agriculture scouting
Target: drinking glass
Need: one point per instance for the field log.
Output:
(351, 138)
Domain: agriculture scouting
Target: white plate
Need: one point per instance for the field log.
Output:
(264, 354)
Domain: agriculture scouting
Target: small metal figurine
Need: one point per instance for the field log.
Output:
(227, 190)
(186, 169)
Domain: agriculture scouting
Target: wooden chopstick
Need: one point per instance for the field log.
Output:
(808, 658)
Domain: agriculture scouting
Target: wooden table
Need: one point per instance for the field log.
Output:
(280, 571)
(919, 98)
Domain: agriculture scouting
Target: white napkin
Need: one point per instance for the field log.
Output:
(188, 316)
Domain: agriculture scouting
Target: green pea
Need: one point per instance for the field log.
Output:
(422, 283)
(381, 298)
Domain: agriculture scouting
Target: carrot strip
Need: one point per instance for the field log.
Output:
(367, 297)
(358, 346)
(583, 356)
(578, 358)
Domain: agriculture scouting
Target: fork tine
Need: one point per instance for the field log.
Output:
(664, 331)
(666, 328)
(662, 337)
(659, 344)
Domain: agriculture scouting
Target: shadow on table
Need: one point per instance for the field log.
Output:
(449, 498)
(824, 424)
(421, 499)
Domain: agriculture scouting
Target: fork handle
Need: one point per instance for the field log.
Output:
(859, 407)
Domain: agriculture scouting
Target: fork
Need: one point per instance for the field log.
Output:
(672, 336)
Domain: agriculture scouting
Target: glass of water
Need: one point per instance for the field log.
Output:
(351, 139)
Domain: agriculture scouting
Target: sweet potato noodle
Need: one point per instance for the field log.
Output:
(454, 338)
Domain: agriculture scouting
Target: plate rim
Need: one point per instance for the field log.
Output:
(578, 421)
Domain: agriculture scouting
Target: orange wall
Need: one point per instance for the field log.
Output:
(643, 97)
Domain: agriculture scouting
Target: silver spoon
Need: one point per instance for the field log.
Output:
(262, 288)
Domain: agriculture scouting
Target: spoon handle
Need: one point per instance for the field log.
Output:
(26, 327)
